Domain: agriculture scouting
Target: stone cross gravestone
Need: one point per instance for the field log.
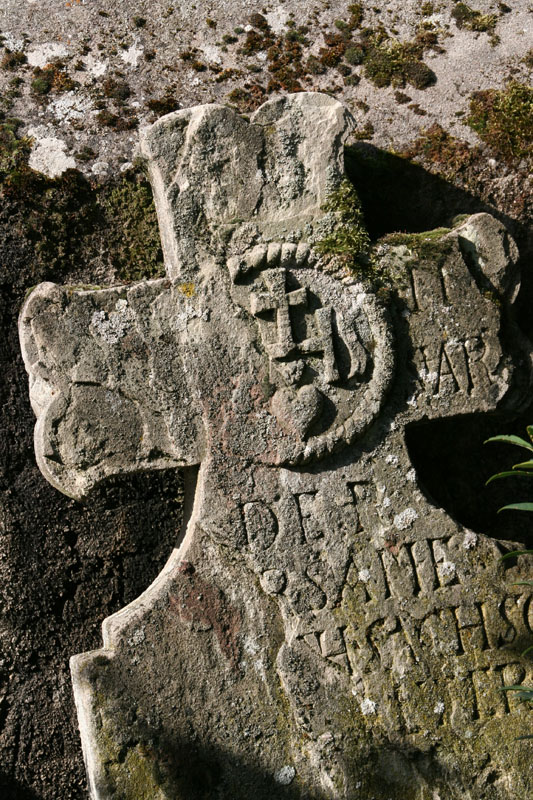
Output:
(322, 630)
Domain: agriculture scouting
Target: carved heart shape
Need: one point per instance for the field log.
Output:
(296, 412)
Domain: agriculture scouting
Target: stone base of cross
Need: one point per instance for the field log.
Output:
(322, 630)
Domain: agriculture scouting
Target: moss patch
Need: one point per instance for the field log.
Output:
(386, 60)
(52, 78)
(13, 60)
(14, 154)
(437, 146)
(128, 207)
(503, 119)
(389, 62)
(69, 221)
(349, 241)
(472, 20)
(425, 246)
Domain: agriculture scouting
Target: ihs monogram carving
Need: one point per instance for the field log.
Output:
(329, 346)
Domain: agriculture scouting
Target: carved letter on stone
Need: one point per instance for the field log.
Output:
(321, 622)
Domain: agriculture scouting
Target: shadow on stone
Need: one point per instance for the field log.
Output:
(13, 790)
(453, 465)
(400, 196)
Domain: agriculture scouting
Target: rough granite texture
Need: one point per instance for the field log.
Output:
(121, 60)
(323, 630)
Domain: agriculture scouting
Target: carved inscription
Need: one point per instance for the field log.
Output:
(382, 614)
(459, 361)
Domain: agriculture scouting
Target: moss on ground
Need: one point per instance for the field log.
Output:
(14, 153)
(389, 62)
(70, 221)
(426, 246)
(386, 60)
(438, 147)
(51, 78)
(503, 119)
(472, 20)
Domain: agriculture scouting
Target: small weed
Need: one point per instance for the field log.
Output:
(259, 21)
(85, 153)
(164, 104)
(125, 122)
(364, 133)
(354, 55)
(437, 146)
(528, 59)
(356, 15)
(401, 97)
(247, 99)
(116, 90)
(51, 78)
(228, 74)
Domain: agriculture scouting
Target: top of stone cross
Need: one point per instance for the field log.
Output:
(247, 352)
(240, 204)
(223, 184)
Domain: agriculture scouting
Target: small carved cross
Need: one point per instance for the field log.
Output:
(280, 300)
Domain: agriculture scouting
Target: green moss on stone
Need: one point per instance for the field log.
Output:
(13, 60)
(472, 20)
(389, 62)
(349, 240)
(503, 119)
(14, 154)
(69, 222)
(135, 777)
(425, 246)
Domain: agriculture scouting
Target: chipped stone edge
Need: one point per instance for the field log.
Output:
(112, 630)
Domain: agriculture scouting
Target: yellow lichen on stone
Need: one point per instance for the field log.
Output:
(187, 289)
(135, 778)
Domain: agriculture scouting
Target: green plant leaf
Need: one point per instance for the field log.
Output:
(529, 430)
(511, 440)
(517, 507)
(527, 650)
(512, 553)
(509, 473)
(519, 738)
(522, 692)
(523, 583)
(516, 688)
(524, 465)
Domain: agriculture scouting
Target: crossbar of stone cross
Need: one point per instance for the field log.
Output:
(315, 587)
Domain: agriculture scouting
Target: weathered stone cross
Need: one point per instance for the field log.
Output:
(321, 618)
